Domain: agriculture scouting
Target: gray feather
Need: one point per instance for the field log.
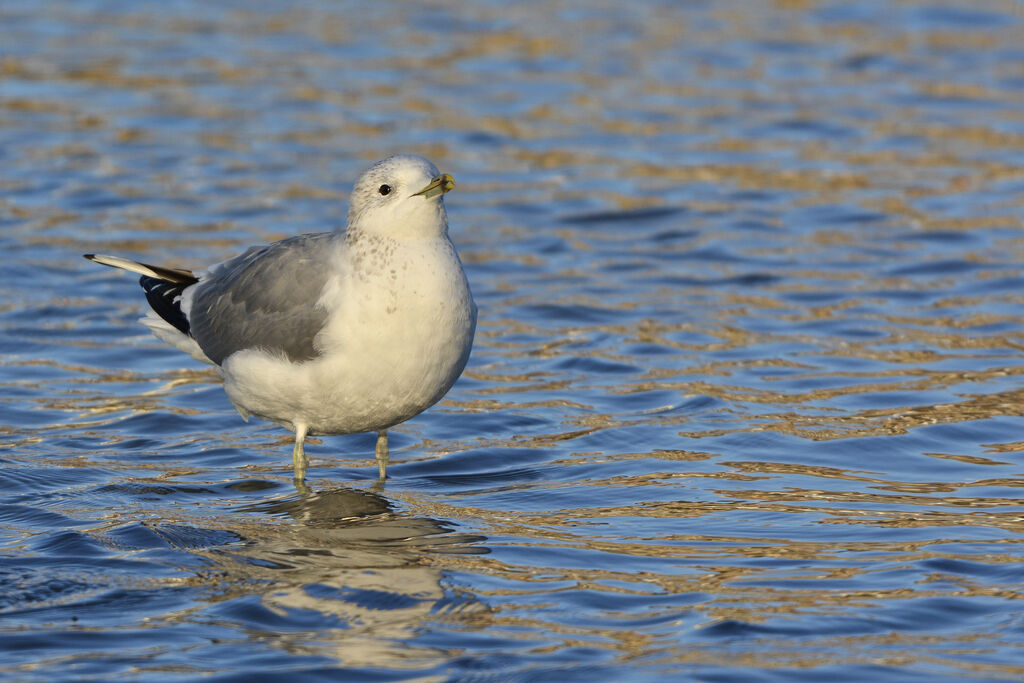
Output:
(265, 299)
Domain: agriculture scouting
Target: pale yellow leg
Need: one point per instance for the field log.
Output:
(382, 454)
(299, 460)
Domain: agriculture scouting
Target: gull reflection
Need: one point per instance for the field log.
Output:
(343, 575)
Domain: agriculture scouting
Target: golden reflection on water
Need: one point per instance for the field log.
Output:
(749, 348)
(345, 556)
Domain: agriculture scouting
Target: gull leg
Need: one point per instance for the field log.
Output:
(299, 460)
(382, 453)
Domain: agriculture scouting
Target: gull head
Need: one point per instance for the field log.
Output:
(401, 196)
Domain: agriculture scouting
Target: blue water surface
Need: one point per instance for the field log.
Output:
(746, 396)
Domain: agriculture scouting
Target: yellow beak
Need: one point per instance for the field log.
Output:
(438, 186)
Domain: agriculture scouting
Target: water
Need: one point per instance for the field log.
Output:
(746, 396)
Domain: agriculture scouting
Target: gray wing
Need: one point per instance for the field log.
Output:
(265, 298)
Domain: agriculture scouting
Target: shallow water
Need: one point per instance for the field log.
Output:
(746, 397)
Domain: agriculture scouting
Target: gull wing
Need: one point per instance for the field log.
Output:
(265, 298)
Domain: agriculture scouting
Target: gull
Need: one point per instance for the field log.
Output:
(354, 330)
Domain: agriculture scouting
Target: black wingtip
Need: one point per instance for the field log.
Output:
(164, 298)
(89, 256)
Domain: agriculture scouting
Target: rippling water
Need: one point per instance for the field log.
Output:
(746, 397)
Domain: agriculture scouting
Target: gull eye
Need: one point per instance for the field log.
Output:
(384, 189)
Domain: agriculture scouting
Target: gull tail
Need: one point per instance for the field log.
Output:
(163, 287)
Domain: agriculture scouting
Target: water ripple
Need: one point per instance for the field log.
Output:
(745, 398)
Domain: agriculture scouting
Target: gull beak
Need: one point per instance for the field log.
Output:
(438, 186)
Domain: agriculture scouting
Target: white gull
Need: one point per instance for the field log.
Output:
(355, 330)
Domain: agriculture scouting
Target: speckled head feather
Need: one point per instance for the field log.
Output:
(385, 199)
